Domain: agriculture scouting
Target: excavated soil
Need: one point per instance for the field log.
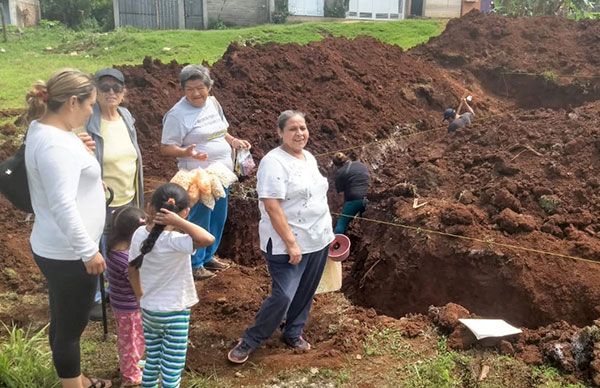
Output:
(536, 62)
(524, 174)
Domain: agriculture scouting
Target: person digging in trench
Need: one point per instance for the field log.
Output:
(352, 178)
(458, 121)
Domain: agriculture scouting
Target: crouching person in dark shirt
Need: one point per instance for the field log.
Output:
(351, 178)
(458, 121)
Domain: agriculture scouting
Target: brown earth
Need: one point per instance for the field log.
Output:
(524, 174)
(536, 62)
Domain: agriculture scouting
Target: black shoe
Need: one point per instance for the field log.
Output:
(96, 312)
(240, 353)
(298, 343)
(216, 265)
(202, 273)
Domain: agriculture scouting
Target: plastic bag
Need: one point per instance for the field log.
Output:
(244, 163)
(331, 280)
(196, 182)
(224, 174)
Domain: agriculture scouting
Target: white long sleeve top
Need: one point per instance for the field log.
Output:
(66, 191)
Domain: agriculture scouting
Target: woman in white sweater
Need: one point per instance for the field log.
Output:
(68, 202)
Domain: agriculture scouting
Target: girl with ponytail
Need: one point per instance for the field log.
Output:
(160, 272)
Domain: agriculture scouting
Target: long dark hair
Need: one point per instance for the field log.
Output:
(169, 196)
(124, 223)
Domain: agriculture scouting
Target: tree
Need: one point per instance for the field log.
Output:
(574, 8)
(76, 13)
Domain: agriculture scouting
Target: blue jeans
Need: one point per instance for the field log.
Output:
(214, 222)
(292, 292)
(349, 211)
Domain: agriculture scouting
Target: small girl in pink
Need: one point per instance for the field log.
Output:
(125, 305)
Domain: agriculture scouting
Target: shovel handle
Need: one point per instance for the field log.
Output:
(111, 196)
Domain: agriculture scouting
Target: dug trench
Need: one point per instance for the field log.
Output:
(524, 174)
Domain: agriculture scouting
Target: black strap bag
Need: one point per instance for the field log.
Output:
(13, 180)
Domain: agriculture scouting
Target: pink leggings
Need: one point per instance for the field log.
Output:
(130, 342)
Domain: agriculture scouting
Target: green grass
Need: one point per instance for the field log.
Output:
(25, 359)
(37, 52)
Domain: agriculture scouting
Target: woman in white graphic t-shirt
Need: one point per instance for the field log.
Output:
(195, 132)
(295, 232)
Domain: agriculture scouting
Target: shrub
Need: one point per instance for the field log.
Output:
(337, 9)
(25, 360)
(281, 12)
(216, 24)
(77, 14)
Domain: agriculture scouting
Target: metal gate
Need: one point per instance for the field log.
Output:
(153, 14)
(194, 17)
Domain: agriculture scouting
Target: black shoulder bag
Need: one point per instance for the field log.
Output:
(13, 180)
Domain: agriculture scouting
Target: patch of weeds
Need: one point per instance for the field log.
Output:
(25, 360)
(10, 273)
(547, 376)
(387, 341)
(216, 24)
(434, 372)
(98, 357)
(549, 76)
(195, 380)
(339, 377)
(437, 371)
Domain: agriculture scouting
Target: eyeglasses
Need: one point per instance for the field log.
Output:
(105, 88)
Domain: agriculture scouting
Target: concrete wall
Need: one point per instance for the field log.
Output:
(24, 13)
(239, 12)
(442, 8)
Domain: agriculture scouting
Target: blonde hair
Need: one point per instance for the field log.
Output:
(51, 95)
(339, 158)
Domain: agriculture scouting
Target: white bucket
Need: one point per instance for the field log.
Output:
(332, 277)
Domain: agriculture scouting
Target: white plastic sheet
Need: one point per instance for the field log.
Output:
(484, 328)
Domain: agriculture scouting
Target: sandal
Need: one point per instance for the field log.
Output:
(99, 383)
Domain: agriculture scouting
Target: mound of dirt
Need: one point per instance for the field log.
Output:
(348, 96)
(349, 99)
(538, 61)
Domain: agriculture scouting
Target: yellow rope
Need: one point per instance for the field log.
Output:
(550, 75)
(420, 229)
(490, 242)
(425, 230)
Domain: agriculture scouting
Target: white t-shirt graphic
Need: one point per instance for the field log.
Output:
(186, 124)
(303, 191)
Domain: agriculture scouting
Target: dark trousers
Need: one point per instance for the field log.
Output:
(71, 294)
(350, 210)
(293, 289)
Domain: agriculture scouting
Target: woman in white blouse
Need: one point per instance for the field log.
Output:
(68, 202)
(295, 233)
